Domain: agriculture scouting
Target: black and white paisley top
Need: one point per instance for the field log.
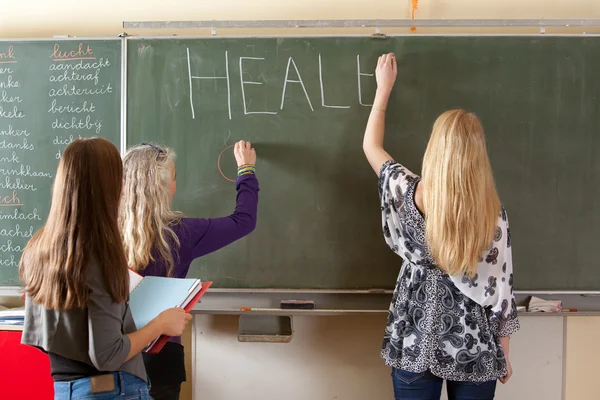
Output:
(449, 325)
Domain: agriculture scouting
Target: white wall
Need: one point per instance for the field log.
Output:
(34, 18)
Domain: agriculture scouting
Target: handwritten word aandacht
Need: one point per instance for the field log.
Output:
(19, 216)
(82, 53)
(292, 76)
(79, 66)
(70, 76)
(84, 107)
(17, 184)
(73, 90)
(24, 170)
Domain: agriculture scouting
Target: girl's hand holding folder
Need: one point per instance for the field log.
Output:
(173, 321)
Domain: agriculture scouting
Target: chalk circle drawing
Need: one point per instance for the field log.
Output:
(219, 163)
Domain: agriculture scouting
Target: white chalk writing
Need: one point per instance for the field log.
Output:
(70, 76)
(24, 170)
(20, 216)
(24, 145)
(8, 246)
(323, 87)
(285, 82)
(73, 90)
(9, 83)
(6, 98)
(10, 131)
(78, 124)
(361, 74)
(71, 108)
(190, 77)
(10, 114)
(17, 232)
(81, 65)
(242, 82)
(17, 184)
(9, 262)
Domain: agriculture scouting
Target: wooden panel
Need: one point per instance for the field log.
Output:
(581, 358)
(328, 358)
(338, 358)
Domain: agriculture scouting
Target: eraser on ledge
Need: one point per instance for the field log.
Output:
(297, 304)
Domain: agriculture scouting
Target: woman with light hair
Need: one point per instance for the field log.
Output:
(453, 308)
(161, 242)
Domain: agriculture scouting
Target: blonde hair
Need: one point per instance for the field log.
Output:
(81, 228)
(145, 215)
(460, 199)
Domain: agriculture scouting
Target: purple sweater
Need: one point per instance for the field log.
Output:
(199, 236)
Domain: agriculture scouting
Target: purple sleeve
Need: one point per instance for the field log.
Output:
(203, 236)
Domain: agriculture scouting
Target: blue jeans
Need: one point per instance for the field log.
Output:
(426, 386)
(126, 387)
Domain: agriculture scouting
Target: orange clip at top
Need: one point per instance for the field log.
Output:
(414, 6)
(245, 309)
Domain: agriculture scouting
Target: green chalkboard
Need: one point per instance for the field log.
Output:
(304, 103)
(50, 93)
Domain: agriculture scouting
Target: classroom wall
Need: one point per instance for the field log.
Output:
(35, 18)
(43, 18)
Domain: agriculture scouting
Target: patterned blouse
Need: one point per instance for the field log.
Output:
(449, 325)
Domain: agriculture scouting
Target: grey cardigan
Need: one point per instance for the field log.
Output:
(95, 335)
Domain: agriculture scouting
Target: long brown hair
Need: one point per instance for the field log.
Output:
(82, 225)
(461, 203)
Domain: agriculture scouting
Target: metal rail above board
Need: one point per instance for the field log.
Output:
(366, 23)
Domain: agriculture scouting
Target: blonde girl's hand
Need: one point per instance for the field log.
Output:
(386, 72)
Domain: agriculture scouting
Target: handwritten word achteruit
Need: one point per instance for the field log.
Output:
(73, 90)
